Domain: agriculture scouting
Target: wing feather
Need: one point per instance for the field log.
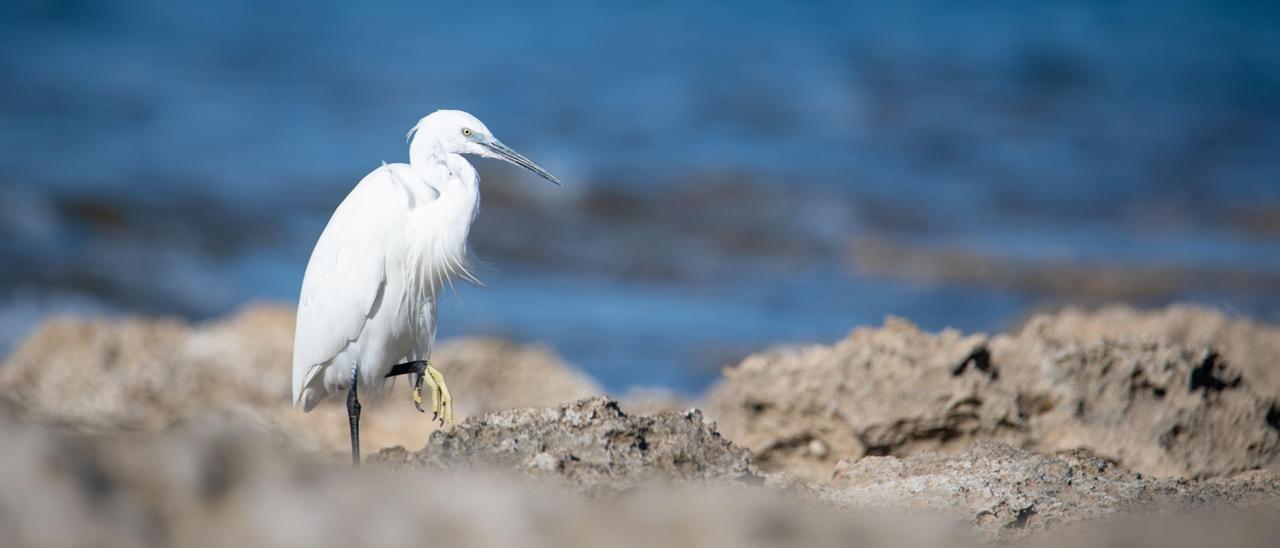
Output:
(346, 274)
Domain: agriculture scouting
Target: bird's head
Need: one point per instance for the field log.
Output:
(458, 132)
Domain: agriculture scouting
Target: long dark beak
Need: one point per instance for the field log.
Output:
(503, 151)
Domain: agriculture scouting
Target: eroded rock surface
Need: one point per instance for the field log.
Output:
(670, 480)
(590, 444)
(1003, 492)
(1251, 346)
(1157, 407)
(890, 390)
(152, 374)
(212, 484)
(156, 432)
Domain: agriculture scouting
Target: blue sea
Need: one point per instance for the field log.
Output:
(737, 174)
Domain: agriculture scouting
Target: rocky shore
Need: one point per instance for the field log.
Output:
(1146, 427)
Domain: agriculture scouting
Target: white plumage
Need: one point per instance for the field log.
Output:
(370, 293)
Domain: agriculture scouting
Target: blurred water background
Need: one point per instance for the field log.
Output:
(738, 174)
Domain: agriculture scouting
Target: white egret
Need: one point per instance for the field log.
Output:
(367, 311)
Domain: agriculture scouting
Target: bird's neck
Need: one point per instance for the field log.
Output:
(424, 155)
(437, 231)
(431, 162)
(456, 184)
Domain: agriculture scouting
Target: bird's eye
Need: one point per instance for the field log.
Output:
(466, 132)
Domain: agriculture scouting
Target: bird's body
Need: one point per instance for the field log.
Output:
(370, 294)
(410, 236)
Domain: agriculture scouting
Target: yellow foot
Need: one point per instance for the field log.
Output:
(441, 400)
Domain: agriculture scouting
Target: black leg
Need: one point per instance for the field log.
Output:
(353, 414)
(407, 368)
(417, 371)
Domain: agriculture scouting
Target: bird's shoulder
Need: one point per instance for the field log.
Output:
(358, 231)
(387, 190)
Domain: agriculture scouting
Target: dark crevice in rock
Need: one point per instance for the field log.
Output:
(1020, 521)
(1168, 439)
(981, 360)
(1208, 376)
(755, 407)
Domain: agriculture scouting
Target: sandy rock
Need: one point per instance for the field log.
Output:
(893, 390)
(211, 483)
(155, 432)
(1003, 492)
(1157, 407)
(1249, 345)
(149, 375)
(136, 374)
(591, 444)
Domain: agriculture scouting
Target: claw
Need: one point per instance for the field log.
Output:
(417, 395)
